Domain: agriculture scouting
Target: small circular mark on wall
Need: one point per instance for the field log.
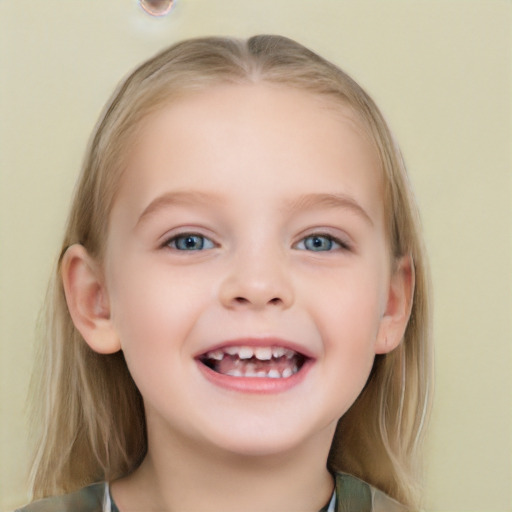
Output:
(157, 7)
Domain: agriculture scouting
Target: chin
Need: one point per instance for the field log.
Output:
(271, 440)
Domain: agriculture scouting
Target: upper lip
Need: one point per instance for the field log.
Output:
(258, 342)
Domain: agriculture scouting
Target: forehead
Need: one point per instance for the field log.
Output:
(257, 136)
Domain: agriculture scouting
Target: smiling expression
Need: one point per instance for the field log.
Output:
(247, 266)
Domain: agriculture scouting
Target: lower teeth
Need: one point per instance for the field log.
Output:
(271, 374)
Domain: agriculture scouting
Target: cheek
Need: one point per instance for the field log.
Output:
(154, 306)
(154, 310)
(348, 318)
(352, 304)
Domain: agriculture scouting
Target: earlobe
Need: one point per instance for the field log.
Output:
(87, 299)
(398, 306)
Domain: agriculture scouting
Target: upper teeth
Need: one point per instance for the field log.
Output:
(244, 352)
(263, 353)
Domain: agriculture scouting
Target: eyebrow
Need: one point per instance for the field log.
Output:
(177, 198)
(304, 202)
(311, 201)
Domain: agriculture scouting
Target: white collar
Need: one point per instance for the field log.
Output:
(107, 501)
(332, 503)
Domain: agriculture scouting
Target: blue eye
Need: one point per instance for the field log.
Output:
(319, 243)
(190, 242)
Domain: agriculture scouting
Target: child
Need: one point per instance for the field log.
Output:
(240, 317)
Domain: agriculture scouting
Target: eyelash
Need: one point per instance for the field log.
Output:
(321, 243)
(333, 243)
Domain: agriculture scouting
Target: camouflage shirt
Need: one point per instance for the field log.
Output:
(350, 495)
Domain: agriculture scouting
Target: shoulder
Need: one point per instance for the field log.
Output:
(354, 494)
(88, 499)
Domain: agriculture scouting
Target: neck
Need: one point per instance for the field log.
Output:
(177, 475)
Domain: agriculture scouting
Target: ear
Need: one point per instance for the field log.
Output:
(398, 307)
(87, 299)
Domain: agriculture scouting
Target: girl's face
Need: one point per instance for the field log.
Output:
(247, 268)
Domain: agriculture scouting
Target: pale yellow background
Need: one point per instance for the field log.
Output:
(440, 70)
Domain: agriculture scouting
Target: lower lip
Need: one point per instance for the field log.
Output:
(260, 385)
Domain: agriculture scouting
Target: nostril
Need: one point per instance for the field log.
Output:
(243, 300)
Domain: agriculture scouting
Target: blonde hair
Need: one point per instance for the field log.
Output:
(89, 410)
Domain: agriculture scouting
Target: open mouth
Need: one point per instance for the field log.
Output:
(257, 362)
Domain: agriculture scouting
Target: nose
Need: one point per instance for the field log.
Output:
(257, 282)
